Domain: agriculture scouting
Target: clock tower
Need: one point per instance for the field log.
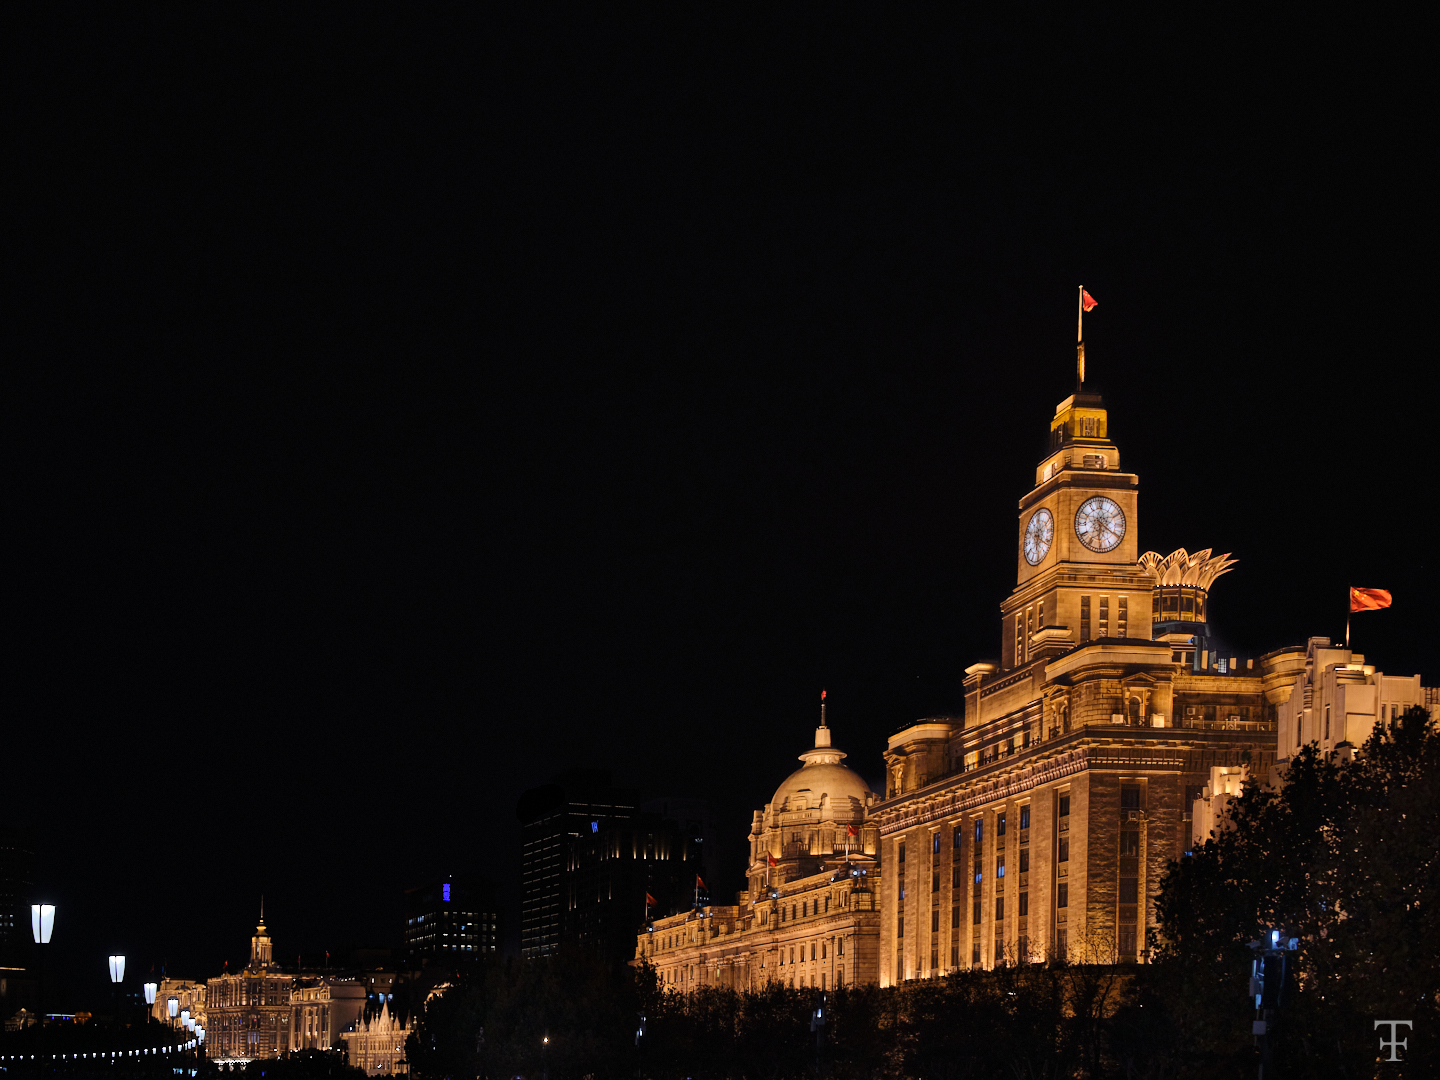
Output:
(1045, 815)
(1077, 575)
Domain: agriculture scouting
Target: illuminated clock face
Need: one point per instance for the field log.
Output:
(1100, 524)
(1038, 533)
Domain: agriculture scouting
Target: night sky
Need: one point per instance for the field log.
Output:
(399, 409)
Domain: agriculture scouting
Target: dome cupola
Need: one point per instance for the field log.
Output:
(823, 782)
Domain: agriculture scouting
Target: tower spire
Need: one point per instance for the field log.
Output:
(823, 753)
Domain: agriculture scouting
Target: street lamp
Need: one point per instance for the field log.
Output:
(174, 1009)
(117, 975)
(150, 990)
(42, 922)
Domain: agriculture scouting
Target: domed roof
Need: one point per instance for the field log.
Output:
(822, 775)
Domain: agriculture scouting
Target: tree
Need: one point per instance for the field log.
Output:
(566, 1017)
(1343, 856)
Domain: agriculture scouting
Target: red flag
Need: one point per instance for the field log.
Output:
(699, 882)
(850, 830)
(1087, 301)
(771, 859)
(1368, 599)
(649, 899)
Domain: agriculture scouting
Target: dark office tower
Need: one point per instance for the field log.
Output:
(551, 817)
(454, 921)
(697, 820)
(16, 863)
(625, 872)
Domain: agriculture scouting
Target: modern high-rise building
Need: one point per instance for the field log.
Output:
(1040, 822)
(624, 871)
(455, 921)
(696, 819)
(16, 875)
(576, 803)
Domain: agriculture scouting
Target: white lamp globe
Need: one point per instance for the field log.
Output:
(42, 922)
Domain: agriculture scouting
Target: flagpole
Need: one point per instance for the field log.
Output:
(1349, 603)
(1080, 339)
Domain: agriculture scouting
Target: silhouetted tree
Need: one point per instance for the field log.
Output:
(1343, 857)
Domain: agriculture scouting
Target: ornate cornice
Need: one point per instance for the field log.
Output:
(947, 804)
(1006, 683)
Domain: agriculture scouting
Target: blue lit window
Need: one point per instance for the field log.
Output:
(445, 892)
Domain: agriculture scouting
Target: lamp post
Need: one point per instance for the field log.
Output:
(173, 1007)
(42, 922)
(150, 990)
(117, 976)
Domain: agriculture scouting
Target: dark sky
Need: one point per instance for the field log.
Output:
(400, 408)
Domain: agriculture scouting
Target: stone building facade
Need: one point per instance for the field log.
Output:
(377, 1045)
(187, 994)
(810, 916)
(249, 1012)
(321, 1008)
(1336, 699)
(1039, 822)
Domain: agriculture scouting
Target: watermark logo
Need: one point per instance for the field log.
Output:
(1394, 1042)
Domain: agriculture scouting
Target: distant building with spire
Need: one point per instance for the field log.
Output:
(249, 1012)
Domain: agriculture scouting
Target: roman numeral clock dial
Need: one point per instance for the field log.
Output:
(1039, 532)
(1100, 524)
